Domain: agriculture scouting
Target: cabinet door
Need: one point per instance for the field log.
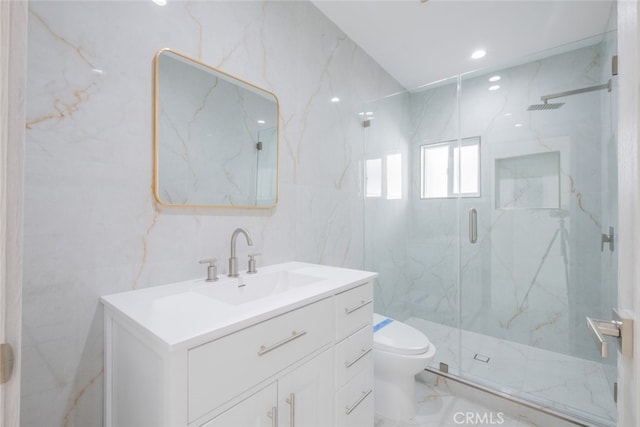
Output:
(258, 410)
(305, 396)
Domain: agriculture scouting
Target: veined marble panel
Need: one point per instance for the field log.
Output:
(91, 226)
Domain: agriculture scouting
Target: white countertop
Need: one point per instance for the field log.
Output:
(178, 315)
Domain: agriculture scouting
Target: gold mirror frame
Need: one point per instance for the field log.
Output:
(224, 160)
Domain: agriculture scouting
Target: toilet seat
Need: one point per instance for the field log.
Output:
(397, 337)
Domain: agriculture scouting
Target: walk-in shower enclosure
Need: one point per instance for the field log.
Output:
(490, 224)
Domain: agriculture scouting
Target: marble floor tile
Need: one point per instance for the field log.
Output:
(555, 380)
(440, 406)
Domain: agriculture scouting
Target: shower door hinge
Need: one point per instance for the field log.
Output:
(615, 392)
(608, 238)
(6, 362)
(614, 65)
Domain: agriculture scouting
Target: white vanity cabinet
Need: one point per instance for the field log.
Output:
(224, 368)
(304, 397)
(354, 358)
(173, 358)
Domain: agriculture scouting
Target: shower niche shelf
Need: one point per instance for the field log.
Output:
(530, 181)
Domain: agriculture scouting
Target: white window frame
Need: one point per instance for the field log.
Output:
(451, 193)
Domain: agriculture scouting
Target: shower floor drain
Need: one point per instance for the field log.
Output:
(481, 358)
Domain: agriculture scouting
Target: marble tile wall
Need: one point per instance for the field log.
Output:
(91, 225)
(534, 273)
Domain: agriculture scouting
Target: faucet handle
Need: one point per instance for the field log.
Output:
(252, 263)
(212, 269)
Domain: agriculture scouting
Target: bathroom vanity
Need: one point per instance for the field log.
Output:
(290, 345)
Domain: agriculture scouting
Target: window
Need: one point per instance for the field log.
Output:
(374, 178)
(394, 176)
(384, 176)
(451, 169)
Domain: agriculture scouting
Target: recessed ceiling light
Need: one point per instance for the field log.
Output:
(261, 122)
(160, 2)
(478, 54)
(335, 99)
(494, 87)
(518, 125)
(494, 79)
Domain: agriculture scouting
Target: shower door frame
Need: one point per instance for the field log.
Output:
(629, 203)
(13, 42)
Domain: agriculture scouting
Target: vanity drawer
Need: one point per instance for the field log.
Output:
(224, 368)
(353, 355)
(354, 406)
(354, 309)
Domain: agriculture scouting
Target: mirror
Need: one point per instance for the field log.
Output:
(215, 137)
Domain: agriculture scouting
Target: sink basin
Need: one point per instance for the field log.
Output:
(253, 288)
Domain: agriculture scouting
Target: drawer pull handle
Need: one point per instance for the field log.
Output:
(294, 335)
(292, 409)
(350, 409)
(273, 414)
(350, 363)
(357, 307)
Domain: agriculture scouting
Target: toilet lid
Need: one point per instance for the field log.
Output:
(397, 337)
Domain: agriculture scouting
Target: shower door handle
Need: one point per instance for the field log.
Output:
(473, 225)
(620, 327)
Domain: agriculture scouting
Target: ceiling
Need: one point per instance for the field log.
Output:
(422, 42)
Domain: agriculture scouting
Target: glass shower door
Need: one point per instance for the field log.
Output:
(538, 267)
(411, 235)
(492, 244)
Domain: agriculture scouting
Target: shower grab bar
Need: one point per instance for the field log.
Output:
(473, 225)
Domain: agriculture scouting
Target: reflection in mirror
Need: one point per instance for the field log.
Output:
(216, 137)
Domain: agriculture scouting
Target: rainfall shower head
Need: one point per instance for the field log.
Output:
(545, 106)
(554, 106)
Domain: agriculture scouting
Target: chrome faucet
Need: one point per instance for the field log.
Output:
(233, 265)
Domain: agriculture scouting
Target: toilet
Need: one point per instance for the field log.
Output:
(399, 353)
